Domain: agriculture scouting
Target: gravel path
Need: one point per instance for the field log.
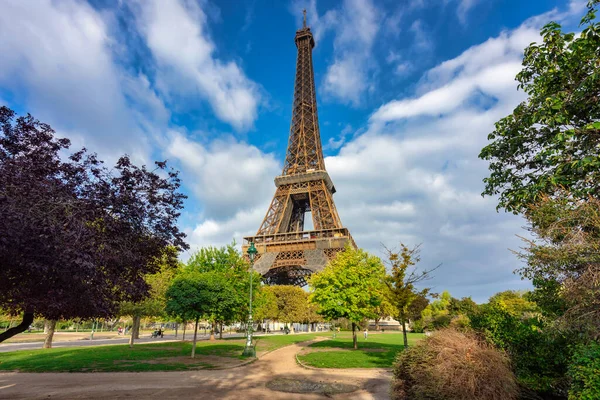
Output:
(247, 382)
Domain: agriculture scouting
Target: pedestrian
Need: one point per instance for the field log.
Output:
(366, 333)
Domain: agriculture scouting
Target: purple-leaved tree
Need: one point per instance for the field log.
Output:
(75, 237)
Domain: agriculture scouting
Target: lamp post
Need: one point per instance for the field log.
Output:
(249, 350)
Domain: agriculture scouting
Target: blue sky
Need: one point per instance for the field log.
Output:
(407, 92)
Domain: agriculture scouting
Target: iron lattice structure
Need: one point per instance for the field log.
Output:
(287, 253)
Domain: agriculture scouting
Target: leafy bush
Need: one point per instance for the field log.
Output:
(584, 372)
(450, 365)
(441, 321)
(539, 355)
(418, 326)
(461, 323)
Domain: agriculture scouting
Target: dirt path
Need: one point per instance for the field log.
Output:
(247, 382)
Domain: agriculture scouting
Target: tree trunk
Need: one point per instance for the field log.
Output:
(354, 340)
(195, 335)
(22, 327)
(212, 332)
(184, 326)
(404, 334)
(176, 326)
(221, 331)
(134, 328)
(46, 326)
(51, 324)
(377, 323)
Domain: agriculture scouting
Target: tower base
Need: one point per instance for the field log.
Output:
(289, 258)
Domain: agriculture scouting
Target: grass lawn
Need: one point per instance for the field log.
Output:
(170, 356)
(378, 351)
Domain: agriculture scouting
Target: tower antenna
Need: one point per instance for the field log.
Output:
(304, 22)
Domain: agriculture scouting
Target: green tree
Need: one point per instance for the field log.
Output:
(193, 296)
(515, 302)
(291, 303)
(349, 287)
(265, 304)
(228, 262)
(402, 280)
(465, 306)
(564, 262)
(552, 139)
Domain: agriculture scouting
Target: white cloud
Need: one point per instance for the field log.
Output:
(178, 38)
(414, 175)
(347, 78)
(226, 175)
(355, 24)
(56, 58)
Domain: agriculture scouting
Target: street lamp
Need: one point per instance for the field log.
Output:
(249, 350)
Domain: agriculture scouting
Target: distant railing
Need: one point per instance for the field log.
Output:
(298, 236)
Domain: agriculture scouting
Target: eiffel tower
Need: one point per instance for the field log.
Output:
(287, 253)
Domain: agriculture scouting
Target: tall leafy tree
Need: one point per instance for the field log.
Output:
(402, 280)
(194, 296)
(228, 262)
(551, 140)
(349, 287)
(564, 263)
(265, 304)
(77, 238)
(291, 303)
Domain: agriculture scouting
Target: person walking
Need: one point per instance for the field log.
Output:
(366, 333)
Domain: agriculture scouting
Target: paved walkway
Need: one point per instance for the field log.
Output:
(247, 382)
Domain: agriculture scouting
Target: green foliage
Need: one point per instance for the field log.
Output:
(564, 264)
(418, 326)
(194, 296)
(228, 263)
(441, 321)
(438, 307)
(464, 306)
(291, 303)
(265, 304)
(539, 355)
(515, 302)
(584, 372)
(552, 139)
(349, 286)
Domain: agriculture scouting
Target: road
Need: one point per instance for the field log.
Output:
(97, 342)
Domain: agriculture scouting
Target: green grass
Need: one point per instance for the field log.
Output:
(143, 357)
(379, 351)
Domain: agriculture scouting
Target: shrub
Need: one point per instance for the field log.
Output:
(418, 326)
(451, 365)
(461, 323)
(584, 372)
(442, 321)
(539, 355)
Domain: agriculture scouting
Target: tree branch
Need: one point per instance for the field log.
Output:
(22, 327)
